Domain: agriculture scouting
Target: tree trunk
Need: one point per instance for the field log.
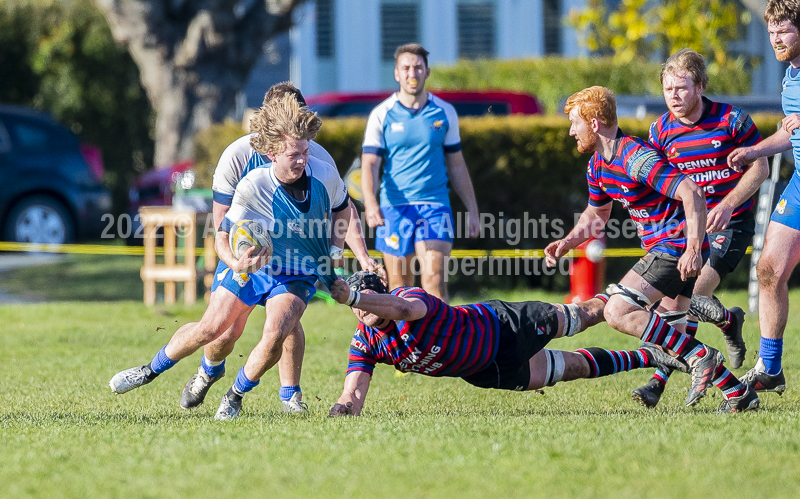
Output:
(194, 57)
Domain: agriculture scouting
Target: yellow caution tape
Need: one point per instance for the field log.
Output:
(102, 249)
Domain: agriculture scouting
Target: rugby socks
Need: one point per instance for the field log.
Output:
(661, 376)
(662, 334)
(691, 327)
(286, 392)
(604, 362)
(601, 296)
(160, 363)
(727, 321)
(242, 385)
(728, 383)
(212, 368)
(770, 351)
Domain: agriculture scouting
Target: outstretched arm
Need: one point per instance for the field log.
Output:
(775, 143)
(384, 306)
(591, 221)
(351, 401)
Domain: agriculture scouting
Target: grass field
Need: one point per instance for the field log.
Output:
(64, 434)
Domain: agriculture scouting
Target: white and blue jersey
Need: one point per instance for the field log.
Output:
(413, 143)
(787, 211)
(299, 229)
(240, 158)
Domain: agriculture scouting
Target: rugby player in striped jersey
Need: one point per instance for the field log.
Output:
(669, 211)
(697, 135)
(493, 344)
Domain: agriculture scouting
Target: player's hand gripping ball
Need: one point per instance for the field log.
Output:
(246, 234)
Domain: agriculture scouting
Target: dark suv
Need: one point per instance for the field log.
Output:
(51, 188)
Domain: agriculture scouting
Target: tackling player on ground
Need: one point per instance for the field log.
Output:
(494, 344)
(696, 136)
(670, 214)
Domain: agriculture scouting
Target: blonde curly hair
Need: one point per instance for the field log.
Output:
(279, 118)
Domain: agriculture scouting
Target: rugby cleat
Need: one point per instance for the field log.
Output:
(702, 370)
(294, 405)
(196, 389)
(734, 342)
(229, 408)
(649, 394)
(127, 380)
(757, 379)
(748, 401)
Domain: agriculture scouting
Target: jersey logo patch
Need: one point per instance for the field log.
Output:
(437, 125)
(642, 163)
(781, 207)
(221, 275)
(359, 344)
(397, 127)
(716, 143)
(673, 152)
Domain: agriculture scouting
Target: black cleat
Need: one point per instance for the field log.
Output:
(649, 394)
(702, 370)
(196, 389)
(748, 401)
(734, 342)
(760, 381)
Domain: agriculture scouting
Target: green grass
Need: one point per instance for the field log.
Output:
(64, 434)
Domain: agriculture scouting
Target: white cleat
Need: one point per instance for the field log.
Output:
(127, 380)
(294, 405)
(229, 408)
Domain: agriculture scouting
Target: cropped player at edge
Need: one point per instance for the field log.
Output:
(669, 211)
(296, 200)
(696, 136)
(493, 344)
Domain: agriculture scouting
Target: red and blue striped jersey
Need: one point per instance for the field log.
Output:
(640, 178)
(447, 341)
(700, 150)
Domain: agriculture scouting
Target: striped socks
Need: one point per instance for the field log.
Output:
(604, 362)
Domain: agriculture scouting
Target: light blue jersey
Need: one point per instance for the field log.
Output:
(790, 100)
(300, 230)
(413, 143)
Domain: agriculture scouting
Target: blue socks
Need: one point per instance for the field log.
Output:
(286, 392)
(212, 371)
(771, 351)
(161, 362)
(242, 384)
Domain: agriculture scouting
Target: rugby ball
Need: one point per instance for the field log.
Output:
(248, 233)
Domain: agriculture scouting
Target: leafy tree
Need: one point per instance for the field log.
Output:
(193, 57)
(59, 56)
(642, 29)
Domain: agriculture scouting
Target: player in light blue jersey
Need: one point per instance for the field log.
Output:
(236, 161)
(415, 135)
(299, 201)
(781, 252)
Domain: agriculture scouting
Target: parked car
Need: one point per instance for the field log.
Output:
(466, 103)
(51, 184)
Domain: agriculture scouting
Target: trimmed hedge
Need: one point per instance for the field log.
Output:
(551, 79)
(519, 165)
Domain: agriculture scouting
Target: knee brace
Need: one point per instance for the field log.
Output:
(673, 317)
(555, 367)
(572, 319)
(630, 295)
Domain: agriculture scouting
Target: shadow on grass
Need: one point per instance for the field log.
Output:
(77, 278)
